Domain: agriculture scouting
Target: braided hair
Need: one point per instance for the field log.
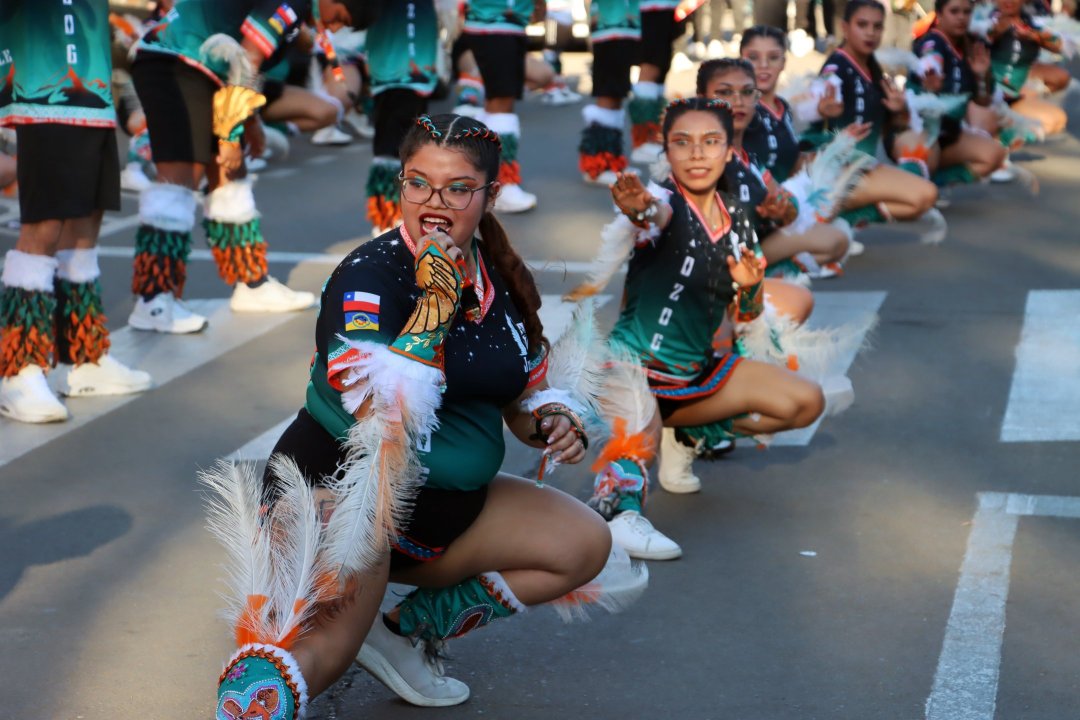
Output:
(482, 146)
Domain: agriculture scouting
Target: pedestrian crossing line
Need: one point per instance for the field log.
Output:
(280, 256)
(966, 681)
(832, 309)
(555, 314)
(165, 357)
(1044, 399)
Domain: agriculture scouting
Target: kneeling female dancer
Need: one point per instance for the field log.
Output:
(427, 339)
(695, 257)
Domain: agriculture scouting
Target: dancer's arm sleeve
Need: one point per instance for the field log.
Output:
(269, 24)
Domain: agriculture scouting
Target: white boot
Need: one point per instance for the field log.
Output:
(677, 465)
(26, 397)
(108, 376)
(408, 670)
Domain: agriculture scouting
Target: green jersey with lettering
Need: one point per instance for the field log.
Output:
(1011, 58)
(498, 17)
(678, 289)
(369, 298)
(56, 60)
(771, 138)
(615, 20)
(269, 24)
(401, 48)
(863, 101)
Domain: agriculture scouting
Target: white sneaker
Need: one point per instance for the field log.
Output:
(715, 50)
(1004, 174)
(646, 154)
(637, 536)
(680, 62)
(360, 124)
(408, 670)
(677, 465)
(270, 297)
(134, 178)
(938, 230)
(107, 376)
(330, 136)
(254, 164)
(26, 397)
(558, 95)
(277, 144)
(839, 394)
(165, 314)
(466, 110)
(855, 248)
(512, 199)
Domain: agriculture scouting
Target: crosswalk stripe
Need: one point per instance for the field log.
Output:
(555, 314)
(832, 309)
(165, 357)
(1044, 399)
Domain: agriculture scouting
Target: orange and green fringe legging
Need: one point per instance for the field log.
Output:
(239, 250)
(81, 333)
(160, 261)
(600, 150)
(509, 167)
(645, 119)
(27, 329)
(383, 195)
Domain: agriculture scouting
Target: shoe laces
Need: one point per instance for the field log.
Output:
(641, 525)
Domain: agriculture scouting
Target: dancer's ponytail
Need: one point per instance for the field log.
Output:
(519, 280)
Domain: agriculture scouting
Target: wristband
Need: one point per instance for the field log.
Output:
(552, 409)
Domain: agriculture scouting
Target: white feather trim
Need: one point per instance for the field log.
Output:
(822, 186)
(618, 586)
(577, 358)
(290, 664)
(79, 265)
(607, 117)
(895, 58)
(391, 379)
(502, 123)
(617, 240)
(503, 591)
(981, 20)
(167, 207)
(226, 49)
(626, 390)
(233, 509)
(553, 395)
(28, 272)
(233, 202)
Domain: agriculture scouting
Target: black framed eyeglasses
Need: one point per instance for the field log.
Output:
(455, 196)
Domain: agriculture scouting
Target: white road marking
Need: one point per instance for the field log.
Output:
(966, 681)
(554, 313)
(832, 309)
(165, 357)
(1044, 400)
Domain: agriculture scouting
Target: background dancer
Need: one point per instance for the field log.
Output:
(51, 310)
(429, 304)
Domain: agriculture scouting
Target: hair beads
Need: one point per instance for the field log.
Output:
(480, 134)
(425, 122)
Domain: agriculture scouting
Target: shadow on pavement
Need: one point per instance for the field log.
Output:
(53, 539)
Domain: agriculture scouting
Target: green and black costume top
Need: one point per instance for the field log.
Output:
(863, 100)
(771, 138)
(749, 184)
(401, 48)
(498, 17)
(614, 20)
(56, 63)
(368, 299)
(1012, 56)
(269, 24)
(957, 76)
(678, 290)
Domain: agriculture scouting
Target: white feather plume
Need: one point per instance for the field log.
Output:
(233, 508)
(822, 186)
(618, 586)
(626, 390)
(896, 59)
(298, 564)
(224, 48)
(617, 240)
(576, 360)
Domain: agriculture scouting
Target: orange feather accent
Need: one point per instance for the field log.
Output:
(249, 628)
(639, 447)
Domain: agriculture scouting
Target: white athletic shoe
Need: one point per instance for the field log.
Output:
(558, 95)
(637, 536)
(163, 313)
(512, 199)
(360, 124)
(681, 62)
(26, 397)
(330, 135)
(270, 297)
(677, 465)
(715, 50)
(108, 376)
(1004, 174)
(134, 178)
(277, 143)
(408, 670)
(855, 248)
(938, 230)
(646, 154)
(467, 110)
(254, 164)
(839, 394)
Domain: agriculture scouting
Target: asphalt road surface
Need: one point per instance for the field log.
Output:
(914, 557)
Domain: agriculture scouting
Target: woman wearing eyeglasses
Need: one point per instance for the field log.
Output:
(768, 205)
(427, 340)
(694, 259)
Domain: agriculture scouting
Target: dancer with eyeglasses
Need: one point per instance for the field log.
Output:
(694, 259)
(428, 339)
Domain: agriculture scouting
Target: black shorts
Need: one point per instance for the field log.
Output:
(438, 517)
(658, 31)
(611, 65)
(66, 171)
(179, 104)
(395, 111)
(501, 59)
(951, 128)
